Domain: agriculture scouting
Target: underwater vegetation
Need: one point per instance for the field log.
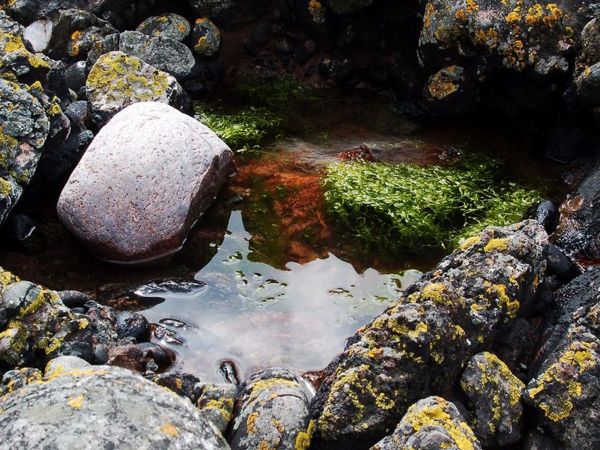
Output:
(407, 207)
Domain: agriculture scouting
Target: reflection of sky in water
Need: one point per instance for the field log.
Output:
(259, 316)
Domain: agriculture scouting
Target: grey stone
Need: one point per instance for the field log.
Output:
(206, 38)
(165, 54)
(273, 413)
(143, 182)
(431, 423)
(216, 402)
(171, 26)
(99, 407)
(118, 80)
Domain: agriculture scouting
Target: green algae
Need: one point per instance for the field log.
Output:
(407, 207)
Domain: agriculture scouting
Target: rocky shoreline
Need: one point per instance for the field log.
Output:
(497, 346)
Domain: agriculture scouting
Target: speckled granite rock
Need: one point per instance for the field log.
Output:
(420, 344)
(272, 412)
(431, 423)
(101, 407)
(216, 402)
(495, 395)
(143, 182)
(118, 80)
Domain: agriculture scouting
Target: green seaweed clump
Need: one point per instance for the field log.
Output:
(407, 207)
(241, 129)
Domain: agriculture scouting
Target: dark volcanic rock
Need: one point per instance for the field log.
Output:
(272, 412)
(578, 233)
(420, 344)
(431, 423)
(495, 395)
(229, 13)
(108, 407)
(118, 80)
(146, 178)
(206, 38)
(567, 379)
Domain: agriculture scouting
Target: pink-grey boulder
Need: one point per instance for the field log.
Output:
(144, 181)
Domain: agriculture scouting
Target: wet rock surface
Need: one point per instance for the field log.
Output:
(495, 394)
(419, 345)
(148, 156)
(272, 412)
(111, 407)
(431, 423)
(118, 80)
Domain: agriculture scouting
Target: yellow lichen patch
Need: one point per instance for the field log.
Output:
(271, 383)
(251, 422)
(304, 437)
(7, 278)
(437, 415)
(442, 85)
(76, 402)
(6, 188)
(223, 405)
(560, 381)
(511, 306)
(169, 429)
(499, 245)
(469, 242)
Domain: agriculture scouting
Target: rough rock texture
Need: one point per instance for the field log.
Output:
(206, 38)
(420, 344)
(118, 80)
(101, 407)
(578, 233)
(16, 59)
(171, 26)
(216, 402)
(495, 395)
(164, 54)
(229, 13)
(567, 381)
(272, 412)
(24, 129)
(143, 182)
(517, 35)
(431, 423)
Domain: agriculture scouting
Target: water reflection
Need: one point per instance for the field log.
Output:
(258, 316)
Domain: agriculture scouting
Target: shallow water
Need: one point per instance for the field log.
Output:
(257, 316)
(282, 286)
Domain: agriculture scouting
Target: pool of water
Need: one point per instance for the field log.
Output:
(274, 283)
(254, 315)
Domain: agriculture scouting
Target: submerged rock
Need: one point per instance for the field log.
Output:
(118, 80)
(144, 181)
(108, 407)
(420, 344)
(431, 423)
(272, 412)
(495, 395)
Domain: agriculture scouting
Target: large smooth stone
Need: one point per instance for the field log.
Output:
(100, 407)
(143, 182)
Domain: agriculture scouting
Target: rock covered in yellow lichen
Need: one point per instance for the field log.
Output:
(272, 413)
(172, 26)
(118, 80)
(206, 38)
(24, 128)
(78, 405)
(567, 381)
(495, 396)
(431, 423)
(216, 402)
(420, 344)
